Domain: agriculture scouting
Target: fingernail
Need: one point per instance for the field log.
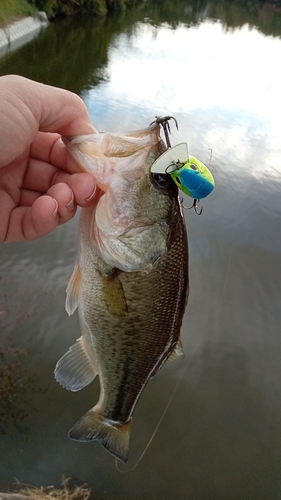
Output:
(70, 205)
(92, 195)
(55, 212)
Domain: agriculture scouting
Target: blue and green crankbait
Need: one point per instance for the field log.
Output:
(190, 174)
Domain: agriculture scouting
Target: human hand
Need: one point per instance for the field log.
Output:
(40, 185)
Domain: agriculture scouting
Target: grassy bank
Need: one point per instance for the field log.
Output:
(12, 10)
(55, 8)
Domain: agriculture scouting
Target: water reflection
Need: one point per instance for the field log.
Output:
(221, 435)
(82, 44)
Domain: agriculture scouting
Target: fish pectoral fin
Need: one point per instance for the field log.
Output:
(73, 290)
(177, 353)
(113, 436)
(75, 370)
(114, 296)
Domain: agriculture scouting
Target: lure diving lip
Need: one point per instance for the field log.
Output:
(190, 174)
(178, 153)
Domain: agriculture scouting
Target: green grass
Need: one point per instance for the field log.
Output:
(12, 10)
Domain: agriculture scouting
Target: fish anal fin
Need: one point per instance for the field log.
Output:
(113, 436)
(73, 290)
(75, 369)
(177, 353)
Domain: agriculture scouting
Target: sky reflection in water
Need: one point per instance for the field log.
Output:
(224, 89)
(193, 68)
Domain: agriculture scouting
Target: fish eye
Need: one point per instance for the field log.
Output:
(161, 181)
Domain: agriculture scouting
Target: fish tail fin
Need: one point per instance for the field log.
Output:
(113, 436)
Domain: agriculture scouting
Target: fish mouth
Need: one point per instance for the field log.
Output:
(77, 139)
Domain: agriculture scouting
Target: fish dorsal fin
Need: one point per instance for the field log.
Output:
(73, 290)
(75, 369)
(177, 353)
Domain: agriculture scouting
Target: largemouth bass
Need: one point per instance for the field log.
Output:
(130, 283)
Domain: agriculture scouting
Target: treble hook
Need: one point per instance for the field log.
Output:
(195, 206)
(166, 126)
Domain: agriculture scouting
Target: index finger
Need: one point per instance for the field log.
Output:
(27, 106)
(54, 109)
(49, 148)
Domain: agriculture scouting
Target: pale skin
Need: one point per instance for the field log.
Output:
(40, 185)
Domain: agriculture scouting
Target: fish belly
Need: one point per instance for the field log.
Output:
(132, 324)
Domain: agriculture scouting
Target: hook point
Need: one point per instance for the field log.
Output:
(194, 206)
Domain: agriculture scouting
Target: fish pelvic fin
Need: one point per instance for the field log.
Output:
(177, 353)
(73, 290)
(113, 436)
(75, 369)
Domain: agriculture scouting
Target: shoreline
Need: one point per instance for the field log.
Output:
(16, 34)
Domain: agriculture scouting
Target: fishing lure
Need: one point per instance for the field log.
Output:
(190, 174)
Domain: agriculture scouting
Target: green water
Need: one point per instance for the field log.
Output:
(216, 68)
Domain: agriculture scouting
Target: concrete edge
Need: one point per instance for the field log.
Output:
(17, 34)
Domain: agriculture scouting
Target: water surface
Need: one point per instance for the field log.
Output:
(215, 67)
